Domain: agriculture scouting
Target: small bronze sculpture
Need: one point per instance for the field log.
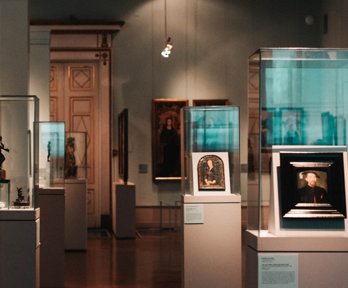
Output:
(2, 159)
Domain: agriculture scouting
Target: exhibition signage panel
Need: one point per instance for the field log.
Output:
(193, 214)
(277, 270)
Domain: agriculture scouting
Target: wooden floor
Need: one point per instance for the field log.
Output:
(151, 260)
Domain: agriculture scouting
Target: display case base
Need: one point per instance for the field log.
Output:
(212, 241)
(52, 208)
(310, 261)
(123, 211)
(20, 248)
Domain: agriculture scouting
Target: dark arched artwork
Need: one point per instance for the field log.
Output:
(211, 175)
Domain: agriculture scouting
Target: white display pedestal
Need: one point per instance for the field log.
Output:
(20, 248)
(123, 211)
(75, 214)
(321, 261)
(52, 208)
(212, 241)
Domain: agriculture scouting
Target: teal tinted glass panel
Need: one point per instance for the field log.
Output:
(214, 129)
(51, 152)
(303, 97)
(211, 129)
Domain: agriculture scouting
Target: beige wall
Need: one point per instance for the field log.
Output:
(336, 36)
(212, 42)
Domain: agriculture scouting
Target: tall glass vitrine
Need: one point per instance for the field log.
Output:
(210, 150)
(297, 98)
(18, 152)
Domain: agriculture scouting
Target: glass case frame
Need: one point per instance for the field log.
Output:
(19, 163)
(211, 138)
(296, 97)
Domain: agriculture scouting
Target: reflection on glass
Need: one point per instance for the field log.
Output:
(296, 96)
(51, 152)
(212, 129)
(75, 155)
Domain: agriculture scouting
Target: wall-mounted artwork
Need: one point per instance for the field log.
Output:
(123, 145)
(166, 126)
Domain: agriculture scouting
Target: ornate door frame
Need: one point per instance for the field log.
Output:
(92, 43)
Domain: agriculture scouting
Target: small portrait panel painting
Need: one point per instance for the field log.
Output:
(312, 187)
(211, 175)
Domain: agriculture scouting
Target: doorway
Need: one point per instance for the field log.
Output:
(80, 96)
(74, 99)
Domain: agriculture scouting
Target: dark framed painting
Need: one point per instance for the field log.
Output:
(210, 102)
(166, 127)
(312, 185)
(123, 145)
(210, 173)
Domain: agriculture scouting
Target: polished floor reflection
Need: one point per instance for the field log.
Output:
(151, 260)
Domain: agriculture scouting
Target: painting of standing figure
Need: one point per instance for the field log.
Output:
(166, 127)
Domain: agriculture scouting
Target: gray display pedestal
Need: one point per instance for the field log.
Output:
(75, 214)
(296, 261)
(20, 248)
(52, 208)
(212, 241)
(123, 211)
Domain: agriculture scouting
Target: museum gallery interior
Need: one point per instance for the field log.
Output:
(173, 143)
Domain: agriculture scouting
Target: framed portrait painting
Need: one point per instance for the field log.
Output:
(166, 127)
(312, 185)
(211, 174)
(309, 185)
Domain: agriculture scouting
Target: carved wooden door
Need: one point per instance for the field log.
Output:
(74, 96)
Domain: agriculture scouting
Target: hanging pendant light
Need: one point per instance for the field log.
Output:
(168, 45)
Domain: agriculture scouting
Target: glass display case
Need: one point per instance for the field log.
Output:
(18, 152)
(51, 152)
(75, 155)
(210, 150)
(297, 101)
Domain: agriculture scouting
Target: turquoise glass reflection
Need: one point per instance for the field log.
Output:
(51, 152)
(303, 97)
(214, 128)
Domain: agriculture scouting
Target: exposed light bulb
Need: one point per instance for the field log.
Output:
(168, 49)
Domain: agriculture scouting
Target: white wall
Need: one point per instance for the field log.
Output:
(212, 42)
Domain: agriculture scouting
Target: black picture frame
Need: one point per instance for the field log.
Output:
(123, 145)
(327, 165)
